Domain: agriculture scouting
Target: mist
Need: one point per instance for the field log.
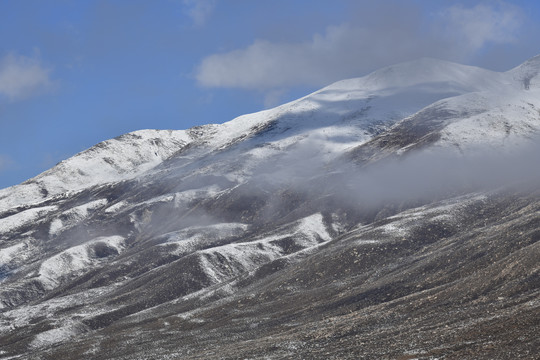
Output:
(414, 178)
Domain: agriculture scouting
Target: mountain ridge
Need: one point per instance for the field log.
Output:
(247, 123)
(316, 229)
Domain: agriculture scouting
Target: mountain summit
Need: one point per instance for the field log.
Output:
(389, 216)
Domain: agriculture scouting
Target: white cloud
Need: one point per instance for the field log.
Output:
(482, 24)
(21, 76)
(341, 51)
(199, 10)
(381, 36)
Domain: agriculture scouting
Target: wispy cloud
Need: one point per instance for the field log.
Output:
(199, 10)
(476, 26)
(379, 37)
(21, 76)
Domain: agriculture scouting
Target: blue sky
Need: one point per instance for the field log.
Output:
(74, 73)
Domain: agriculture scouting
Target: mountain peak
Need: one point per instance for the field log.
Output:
(427, 72)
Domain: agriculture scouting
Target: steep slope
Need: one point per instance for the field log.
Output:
(318, 229)
(110, 161)
(445, 280)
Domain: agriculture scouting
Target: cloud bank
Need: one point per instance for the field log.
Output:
(381, 35)
(21, 76)
(482, 24)
(419, 177)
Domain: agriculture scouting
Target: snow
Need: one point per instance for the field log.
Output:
(177, 198)
(222, 262)
(75, 215)
(56, 226)
(116, 207)
(493, 119)
(401, 225)
(197, 237)
(395, 228)
(13, 222)
(113, 160)
(313, 227)
(74, 261)
(525, 75)
(14, 256)
(57, 335)
(84, 209)
(183, 197)
(66, 324)
(8, 255)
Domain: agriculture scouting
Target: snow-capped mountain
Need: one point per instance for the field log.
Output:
(311, 228)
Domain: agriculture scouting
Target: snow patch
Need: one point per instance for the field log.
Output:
(18, 220)
(197, 237)
(57, 335)
(56, 226)
(501, 120)
(76, 260)
(116, 207)
(75, 215)
(113, 160)
(8, 254)
(313, 226)
(225, 261)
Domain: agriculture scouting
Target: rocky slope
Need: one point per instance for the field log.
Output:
(390, 216)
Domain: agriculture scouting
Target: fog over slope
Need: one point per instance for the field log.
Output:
(376, 217)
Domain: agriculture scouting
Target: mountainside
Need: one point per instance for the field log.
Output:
(394, 216)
